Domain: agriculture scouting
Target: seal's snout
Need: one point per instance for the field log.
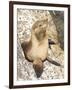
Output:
(38, 67)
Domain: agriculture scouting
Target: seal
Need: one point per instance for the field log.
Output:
(36, 47)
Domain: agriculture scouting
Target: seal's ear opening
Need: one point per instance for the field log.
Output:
(38, 67)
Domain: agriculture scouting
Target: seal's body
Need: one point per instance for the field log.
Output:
(36, 48)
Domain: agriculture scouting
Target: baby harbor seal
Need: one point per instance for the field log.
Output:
(36, 47)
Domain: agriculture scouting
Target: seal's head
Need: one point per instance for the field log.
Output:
(39, 29)
(38, 67)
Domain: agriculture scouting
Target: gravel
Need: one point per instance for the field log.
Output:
(25, 20)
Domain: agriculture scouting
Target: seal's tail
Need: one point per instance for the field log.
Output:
(38, 67)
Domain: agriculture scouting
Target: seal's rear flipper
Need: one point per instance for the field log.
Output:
(54, 62)
(50, 42)
(38, 67)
